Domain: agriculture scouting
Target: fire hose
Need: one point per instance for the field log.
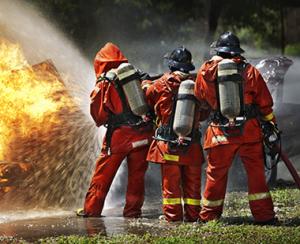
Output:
(289, 165)
(272, 142)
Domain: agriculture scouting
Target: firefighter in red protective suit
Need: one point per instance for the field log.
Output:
(127, 135)
(239, 98)
(180, 156)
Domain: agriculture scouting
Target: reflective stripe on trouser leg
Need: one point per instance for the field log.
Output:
(191, 187)
(171, 190)
(212, 203)
(191, 201)
(260, 200)
(219, 161)
(171, 201)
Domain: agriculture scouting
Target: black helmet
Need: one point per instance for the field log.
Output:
(228, 43)
(180, 59)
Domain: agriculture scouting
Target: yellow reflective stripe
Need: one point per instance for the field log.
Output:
(171, 201)
(171, 157)
(212, 203)
(268, 117)
(259, 196)
(192, 201)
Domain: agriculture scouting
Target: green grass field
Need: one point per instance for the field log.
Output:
(236, 226)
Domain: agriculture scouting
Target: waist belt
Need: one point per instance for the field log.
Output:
(127, 119)
(165, 133)
(235, 128)
(117, 120)
(250, 112)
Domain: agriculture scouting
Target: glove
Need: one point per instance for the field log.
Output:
(270, 131)
(271, 136)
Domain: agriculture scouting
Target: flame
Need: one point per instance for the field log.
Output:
(30, 98)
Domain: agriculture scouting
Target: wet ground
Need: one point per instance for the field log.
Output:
(33, 226)
(36, 224)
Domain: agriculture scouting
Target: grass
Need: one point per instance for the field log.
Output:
(235, 226)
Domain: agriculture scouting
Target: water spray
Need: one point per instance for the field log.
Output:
(50, 130)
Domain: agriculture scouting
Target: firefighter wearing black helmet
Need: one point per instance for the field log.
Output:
(180, 59)
(176, 145)
(238, 96)
(228, 44)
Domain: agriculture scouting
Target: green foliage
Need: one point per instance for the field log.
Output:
(258, 20)
(293, 49)
(95, 22)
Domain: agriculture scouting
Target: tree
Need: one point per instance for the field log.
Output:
(93, 22)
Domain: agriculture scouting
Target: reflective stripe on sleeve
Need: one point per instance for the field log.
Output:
(212, 203)
(259, 196)
(268, 117)
(171, 201)
(171, 157)
(192, 201)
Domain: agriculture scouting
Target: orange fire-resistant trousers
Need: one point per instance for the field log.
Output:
(219, 161)
(106, 169)
(181, 184)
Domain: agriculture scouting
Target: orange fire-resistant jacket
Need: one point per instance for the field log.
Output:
(105, 100)
(160, 97)
(255, 92)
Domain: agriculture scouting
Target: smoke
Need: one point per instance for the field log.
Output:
(148, 55)
(291, 88)
(288, 119)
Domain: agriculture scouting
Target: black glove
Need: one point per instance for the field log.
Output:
(271, 136)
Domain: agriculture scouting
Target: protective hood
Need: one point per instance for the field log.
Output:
(107, 58)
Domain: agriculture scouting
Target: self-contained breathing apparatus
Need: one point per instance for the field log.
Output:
(136, 114)
(231, 113)
(179, 133)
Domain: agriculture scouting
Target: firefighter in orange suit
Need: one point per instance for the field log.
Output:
(239, 99)
(180, 160)
(127, 136)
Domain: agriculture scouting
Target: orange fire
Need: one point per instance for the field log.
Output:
(30, 98)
